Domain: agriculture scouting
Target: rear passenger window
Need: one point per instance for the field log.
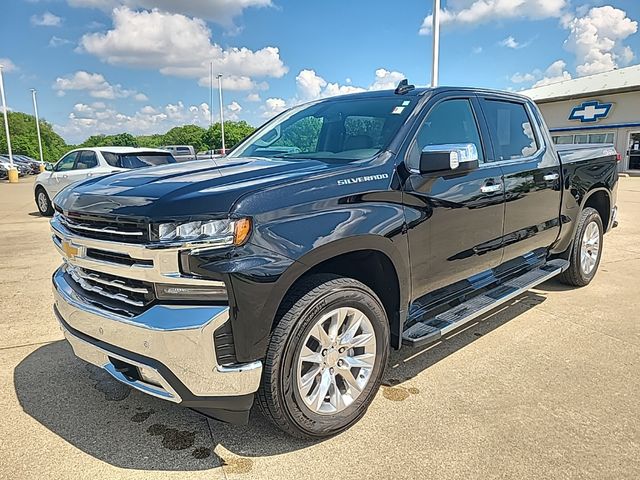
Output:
(449, 122)
(86, 159)
(511, 129)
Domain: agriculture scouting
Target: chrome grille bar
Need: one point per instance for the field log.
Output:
(85, 285)
(72, 225)
(112, 283)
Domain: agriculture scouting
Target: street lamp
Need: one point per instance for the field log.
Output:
(435, 31)
(35, 109)
(224, 149)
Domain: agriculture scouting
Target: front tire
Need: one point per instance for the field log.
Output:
(43, 202)
(325, 357)
(586, 251)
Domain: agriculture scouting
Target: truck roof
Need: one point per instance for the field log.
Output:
(123, 149)
(421, 91)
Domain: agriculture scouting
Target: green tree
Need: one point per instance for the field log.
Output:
(24, 137)
(118, 140)
(186, 135)
(234, 133)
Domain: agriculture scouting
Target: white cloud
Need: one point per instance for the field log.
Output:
(179, 46)
(98, 118)
(219, 11)
(473, 12)
(7, 65)
(509, 42)
(477, 50)
(232, 111)
(386, 80)
(553, 74)
(523, 77)
(597, 39)
(273, 106)
(556, 72)
(96, 85)
(311, 86)
(253, 97)
(47, 19)
(58, 42)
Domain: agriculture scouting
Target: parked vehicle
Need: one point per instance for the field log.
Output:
(340, 229)
(33, 164)
(84, 163)
(182, 153)
(28, 165)
(5, 165)
(208, 154)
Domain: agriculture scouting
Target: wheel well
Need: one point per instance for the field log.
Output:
(371, 267)
(600, 202)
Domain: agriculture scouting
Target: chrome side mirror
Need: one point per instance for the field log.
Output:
(442, 158)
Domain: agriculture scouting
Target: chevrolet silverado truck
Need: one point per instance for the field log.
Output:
(284, 273)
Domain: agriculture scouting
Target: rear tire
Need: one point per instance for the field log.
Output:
(43, 202)
(348, 369)
(586, 250)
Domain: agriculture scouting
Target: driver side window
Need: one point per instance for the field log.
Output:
(66, 163)
(449, 122)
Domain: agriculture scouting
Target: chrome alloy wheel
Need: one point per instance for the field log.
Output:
(336, 360)
(43, 202)
(590, 248)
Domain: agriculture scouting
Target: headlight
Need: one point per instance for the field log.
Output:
(221, 232)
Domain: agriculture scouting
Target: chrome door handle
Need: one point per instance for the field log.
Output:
(551, 177)
(491, 188)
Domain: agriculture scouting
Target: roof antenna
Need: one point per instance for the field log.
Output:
(404, 87)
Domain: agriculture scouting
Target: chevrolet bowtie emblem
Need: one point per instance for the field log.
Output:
(69, 249)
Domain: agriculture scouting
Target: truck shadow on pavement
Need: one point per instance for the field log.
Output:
(113, 423)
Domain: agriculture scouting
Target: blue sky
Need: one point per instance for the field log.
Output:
(107, 66)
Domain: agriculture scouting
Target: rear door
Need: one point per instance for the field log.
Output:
(455, 219)
(531, 175)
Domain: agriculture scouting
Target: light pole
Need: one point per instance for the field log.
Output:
(6, 119)
(210, 94)
(35, 109)
(435, 30)
(224, 149)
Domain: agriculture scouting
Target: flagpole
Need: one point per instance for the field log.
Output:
(435, 30)
(6, 118)
(35, 109)
(210, 94)
(224, 149)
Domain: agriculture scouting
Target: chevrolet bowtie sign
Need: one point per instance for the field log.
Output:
(591, 111)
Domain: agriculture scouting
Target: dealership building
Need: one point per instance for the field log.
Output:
(601, 108)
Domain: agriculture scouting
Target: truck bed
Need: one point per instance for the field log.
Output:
(572, 152)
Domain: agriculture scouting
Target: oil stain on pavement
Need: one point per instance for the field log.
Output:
(395, 393)
(172, 438)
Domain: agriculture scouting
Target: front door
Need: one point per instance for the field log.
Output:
(455, 220)
(532, 176)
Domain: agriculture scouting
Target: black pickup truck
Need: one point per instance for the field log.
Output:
(284, 272)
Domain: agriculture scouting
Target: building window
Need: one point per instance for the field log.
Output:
(581, 138)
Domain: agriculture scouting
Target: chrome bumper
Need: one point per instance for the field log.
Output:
(179, 340)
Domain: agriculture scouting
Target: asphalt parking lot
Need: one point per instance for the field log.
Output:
(546, 387)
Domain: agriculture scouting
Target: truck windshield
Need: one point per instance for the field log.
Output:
(340, 129)
(138, 160)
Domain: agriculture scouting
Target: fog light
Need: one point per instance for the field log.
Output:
(215, 293)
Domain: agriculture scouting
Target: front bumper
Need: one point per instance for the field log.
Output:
(167, 351)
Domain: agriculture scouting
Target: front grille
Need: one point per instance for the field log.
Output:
(115, 257)
(105, 228)
(117, 294)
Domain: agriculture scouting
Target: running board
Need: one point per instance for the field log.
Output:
(432, 329)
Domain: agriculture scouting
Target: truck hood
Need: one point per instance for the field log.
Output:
(196, 188)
